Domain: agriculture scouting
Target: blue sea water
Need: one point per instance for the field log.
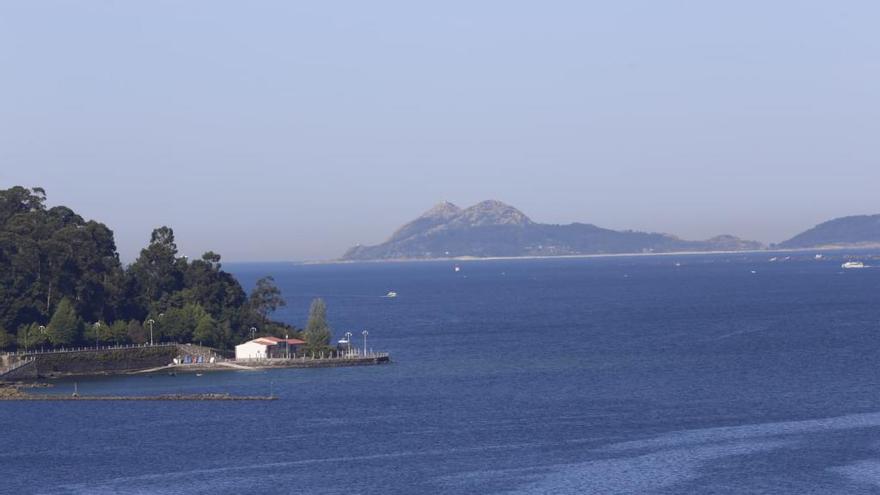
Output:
(725, 374)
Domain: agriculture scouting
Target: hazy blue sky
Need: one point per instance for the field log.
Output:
(291, 130)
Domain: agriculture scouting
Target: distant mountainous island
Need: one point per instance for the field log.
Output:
(495, 229)
(853, 231)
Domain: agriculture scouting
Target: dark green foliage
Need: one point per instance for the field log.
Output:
(65, 326)
(266, 297)
(118, 332)
(49, 254)
(317, 333)
(33, 336)
(136, 332)
(179, 324)
(6, 340)
(158, 272)
(56, 266)
(206, 331)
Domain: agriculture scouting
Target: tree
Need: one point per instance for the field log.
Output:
(99, 332)
(180, 324)
(51, 254)
(64, 327)
(215, 290)
(136, 332)
(6, 340)
(317, 333)
(47, 255)
(157, 271)
(32, 336)
(206, 332)
(118, 332)
(266, 297)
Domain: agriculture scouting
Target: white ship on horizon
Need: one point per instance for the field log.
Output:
(852, 264)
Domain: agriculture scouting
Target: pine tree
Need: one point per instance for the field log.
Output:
(317, 333)
(65, 325)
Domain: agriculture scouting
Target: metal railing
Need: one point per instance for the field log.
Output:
(61, 350)
(332, 356)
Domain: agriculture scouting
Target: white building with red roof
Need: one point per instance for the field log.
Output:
(267, 348)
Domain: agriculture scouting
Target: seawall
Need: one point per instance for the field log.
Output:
(91, 361)
(102, 361)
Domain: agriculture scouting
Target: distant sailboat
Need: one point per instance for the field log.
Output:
(391, 293)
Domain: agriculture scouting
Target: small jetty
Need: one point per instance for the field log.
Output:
(326, 361)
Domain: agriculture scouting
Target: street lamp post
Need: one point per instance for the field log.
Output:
(348, 336)
(42, 332)
(97, 328)
(253, 332)
(365, 333)
(151, 322)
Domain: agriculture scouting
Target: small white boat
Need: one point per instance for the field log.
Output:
(852, 264)
(818, 256)
(457, 268)
(391, 293)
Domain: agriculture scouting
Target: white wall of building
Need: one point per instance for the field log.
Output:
(250, 350)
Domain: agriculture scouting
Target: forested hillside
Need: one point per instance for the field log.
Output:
(62, 283)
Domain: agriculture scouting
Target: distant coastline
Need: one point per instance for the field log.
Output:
(600, 255)
(495, 230)
(492, 229)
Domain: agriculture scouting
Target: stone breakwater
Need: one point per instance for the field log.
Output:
(15, 394)
(327, 362)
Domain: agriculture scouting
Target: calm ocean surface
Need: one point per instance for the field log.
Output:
(612, 375)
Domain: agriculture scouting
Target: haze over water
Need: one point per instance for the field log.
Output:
(605, 375)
